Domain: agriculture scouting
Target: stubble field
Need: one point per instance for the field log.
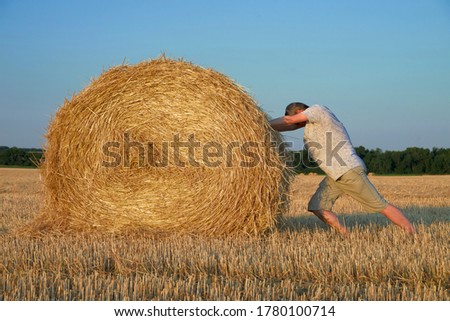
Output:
(302, 260)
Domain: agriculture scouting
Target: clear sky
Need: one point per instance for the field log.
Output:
(382, 66)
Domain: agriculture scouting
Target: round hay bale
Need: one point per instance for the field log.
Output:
(162, 146)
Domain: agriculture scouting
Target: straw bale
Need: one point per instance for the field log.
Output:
(128, 153)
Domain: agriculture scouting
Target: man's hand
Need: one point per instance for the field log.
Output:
(295, 119)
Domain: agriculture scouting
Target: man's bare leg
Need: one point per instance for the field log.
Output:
(396, 216)
(330, 219)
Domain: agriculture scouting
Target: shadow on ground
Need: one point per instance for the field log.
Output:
(417, 215)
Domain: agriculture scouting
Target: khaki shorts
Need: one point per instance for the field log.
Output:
(354, 183)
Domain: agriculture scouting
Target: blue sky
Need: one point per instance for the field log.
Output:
(382, 66)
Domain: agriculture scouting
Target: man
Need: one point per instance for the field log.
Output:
(328, 143)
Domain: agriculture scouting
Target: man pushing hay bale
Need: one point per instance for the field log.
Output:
(162, 146)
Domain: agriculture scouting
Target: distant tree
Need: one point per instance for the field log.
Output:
(441, 161)
(301, 163)
(4, 155)
(15, 156)
(361, 151)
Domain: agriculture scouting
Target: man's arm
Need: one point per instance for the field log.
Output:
(279, 125)
(288, 122)
(295, 119)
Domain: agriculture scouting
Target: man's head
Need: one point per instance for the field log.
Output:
(294, 108)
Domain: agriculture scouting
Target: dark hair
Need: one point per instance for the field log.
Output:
(292, 108)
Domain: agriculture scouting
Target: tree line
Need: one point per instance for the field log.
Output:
(21, 157)
(413, 160)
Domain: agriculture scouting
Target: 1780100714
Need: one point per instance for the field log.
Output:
(295, 311)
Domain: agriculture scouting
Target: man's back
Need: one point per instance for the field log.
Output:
(328, 142)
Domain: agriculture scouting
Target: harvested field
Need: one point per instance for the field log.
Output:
(302, 260)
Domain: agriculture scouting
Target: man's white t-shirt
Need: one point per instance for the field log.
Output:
(328, 143)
